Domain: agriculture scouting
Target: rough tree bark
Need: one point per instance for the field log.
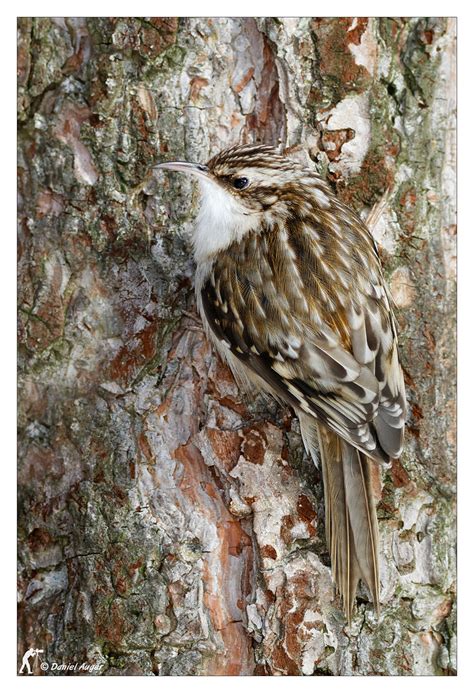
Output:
(166, 525)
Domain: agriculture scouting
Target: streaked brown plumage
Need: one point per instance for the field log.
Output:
(290, 288)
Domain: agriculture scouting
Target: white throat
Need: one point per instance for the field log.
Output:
(221, 221)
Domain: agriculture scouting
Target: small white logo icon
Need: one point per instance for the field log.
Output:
(25, 662)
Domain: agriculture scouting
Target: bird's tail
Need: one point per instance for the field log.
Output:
(351, 521)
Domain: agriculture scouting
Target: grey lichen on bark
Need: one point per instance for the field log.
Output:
(167, 526)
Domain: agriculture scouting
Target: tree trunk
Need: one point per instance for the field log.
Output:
(168, 526)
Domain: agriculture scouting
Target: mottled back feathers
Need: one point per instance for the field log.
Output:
(303, 304)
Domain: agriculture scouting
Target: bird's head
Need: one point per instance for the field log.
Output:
(244, 188)
(252, 175)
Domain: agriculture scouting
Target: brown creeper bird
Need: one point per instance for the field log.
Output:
(290, 289)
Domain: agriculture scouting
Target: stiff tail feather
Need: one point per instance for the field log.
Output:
(351, 521)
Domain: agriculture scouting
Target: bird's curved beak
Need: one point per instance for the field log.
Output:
(185, 167)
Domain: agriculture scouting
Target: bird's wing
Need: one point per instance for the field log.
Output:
(312, 319)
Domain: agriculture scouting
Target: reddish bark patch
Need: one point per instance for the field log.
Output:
(283, 663)
(225, 445)
(288, 523)
(268, 551)
(293, 600)
(80, 56)
(399, 475)
(113, 628)
(417, 411)
(359, 27)
(145, 449)
(167, 28)
(442, 611)
(197, 83)
(266, 121)
(134, 354)
(245, 80)
(108, 225)
(39, 539)
(407, 210)
(221, 385)
(368, 186)
(427, 37)
(140, 123)
(197, 484)
(254, 445)
(133, 567)
(332, 142)
(305, 508)
(220, 573)
(229, 403)
(249, 500)
(339, 72)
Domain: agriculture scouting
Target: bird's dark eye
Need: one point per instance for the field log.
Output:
(240, 183)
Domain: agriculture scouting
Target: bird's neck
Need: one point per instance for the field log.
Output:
(222, 220)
